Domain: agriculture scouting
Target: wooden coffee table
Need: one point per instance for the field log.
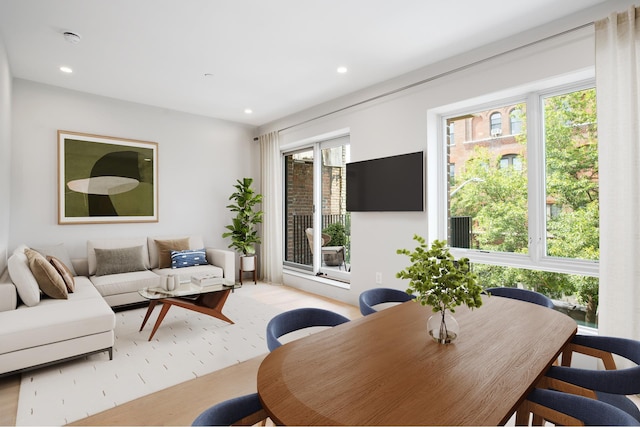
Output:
(208, 299)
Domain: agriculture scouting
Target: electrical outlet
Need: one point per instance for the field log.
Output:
(379, 278)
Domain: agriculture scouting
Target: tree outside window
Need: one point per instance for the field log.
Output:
(497, 198)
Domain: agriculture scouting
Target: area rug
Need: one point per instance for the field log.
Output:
(187, 345)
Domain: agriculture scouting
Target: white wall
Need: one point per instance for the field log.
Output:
(397, 123)
(206, 153)
(5, 154)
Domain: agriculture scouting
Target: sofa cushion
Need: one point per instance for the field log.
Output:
(23, 278)
(120, 260)
(188, 258)
(84, 313)
(195, 242)
(48, 278)
(60, 252)
(165, 247)
(114, 244)
(114, 284)
(64, 271)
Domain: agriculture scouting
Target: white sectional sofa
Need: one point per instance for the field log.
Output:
(38, 329)
(51, 329)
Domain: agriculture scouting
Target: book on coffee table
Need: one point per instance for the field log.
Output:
(207, 279)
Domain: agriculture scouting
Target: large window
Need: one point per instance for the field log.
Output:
(524, 207)
(317, 225)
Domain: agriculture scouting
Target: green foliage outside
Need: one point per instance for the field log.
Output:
(243, 232)
(338, 234)
(498, 203)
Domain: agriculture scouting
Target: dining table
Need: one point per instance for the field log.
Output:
(384, 368)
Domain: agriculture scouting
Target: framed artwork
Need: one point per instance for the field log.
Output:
(103, 179)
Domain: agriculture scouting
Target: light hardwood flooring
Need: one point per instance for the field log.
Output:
(180, 404)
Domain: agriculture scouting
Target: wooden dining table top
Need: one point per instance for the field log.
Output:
(384, 369)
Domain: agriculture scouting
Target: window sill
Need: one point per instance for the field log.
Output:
(317, 279)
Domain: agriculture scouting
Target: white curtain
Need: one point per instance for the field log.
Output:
(271, 178)
(617, 85)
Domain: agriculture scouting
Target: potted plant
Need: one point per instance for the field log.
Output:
(243, 232)
(438, 280)
(338, 234)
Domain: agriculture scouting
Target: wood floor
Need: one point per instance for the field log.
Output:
(180, 404)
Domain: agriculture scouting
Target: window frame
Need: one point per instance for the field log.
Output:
(536, 259)
(316, 144)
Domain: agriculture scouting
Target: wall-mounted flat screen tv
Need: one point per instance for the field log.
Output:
(387, 184)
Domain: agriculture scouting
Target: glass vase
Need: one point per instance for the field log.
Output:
(443, 327)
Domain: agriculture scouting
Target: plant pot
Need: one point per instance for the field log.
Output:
(333, 260)
(247, 262)
(443, 327)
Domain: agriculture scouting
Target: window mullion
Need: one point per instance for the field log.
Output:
(536, 178)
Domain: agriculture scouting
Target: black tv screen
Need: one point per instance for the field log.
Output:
(387, 184)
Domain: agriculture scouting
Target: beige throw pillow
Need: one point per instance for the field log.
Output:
(64, 271)
(49, 281)
(166, 246)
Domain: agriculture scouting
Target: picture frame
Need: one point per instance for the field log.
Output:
(104, 179)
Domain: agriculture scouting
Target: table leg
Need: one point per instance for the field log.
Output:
(166, 305)
(152, 305)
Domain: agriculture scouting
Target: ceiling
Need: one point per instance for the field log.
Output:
(219, 57)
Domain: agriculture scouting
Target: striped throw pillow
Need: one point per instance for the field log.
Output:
(188, 258)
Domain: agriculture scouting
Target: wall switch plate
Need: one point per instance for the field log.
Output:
(379, 278)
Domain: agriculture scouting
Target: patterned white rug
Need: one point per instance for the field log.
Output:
(187, 345)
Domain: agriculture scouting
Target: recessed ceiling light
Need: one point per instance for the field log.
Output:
(342, 70)
(248, 111)
(67, 70)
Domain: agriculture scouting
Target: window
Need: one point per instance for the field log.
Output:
(524, 207)
(511, 161)
(515, 121)
(496, 124)
(316, 176)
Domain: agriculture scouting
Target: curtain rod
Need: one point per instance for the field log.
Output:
(437, 76)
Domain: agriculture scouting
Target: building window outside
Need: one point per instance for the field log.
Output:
(554, 247)
(495, 124)
(515, 121)
(511, 161)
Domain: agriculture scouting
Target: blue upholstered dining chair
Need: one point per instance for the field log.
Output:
(610, 385)
(522, 295)
(371, 297)
(554, 406)
(297, 319)
(244, 410)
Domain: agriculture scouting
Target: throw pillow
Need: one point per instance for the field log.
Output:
(166, 246)
(188, 258)
(23, 278)
(60, 252)
(49, 281)
(64, 272)
(121, 260)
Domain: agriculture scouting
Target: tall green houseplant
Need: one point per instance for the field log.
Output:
(243, 232)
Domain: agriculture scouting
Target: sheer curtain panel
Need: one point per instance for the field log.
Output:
(271, 178)
(617, 83)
